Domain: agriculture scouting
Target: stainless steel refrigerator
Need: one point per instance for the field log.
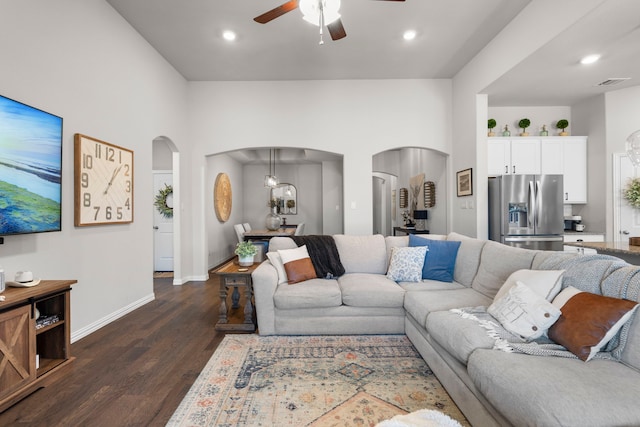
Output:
(527, 211)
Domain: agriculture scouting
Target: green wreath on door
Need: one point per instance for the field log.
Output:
(161, 201)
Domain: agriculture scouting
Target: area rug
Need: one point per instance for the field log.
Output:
(312, 381)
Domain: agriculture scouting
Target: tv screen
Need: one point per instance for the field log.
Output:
(30, 169)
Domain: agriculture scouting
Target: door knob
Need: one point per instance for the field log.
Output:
(155, 227)
(625, 232)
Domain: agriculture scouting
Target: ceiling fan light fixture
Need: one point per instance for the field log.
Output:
(311, 10)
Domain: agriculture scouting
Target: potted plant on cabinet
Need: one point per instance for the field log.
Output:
(491, 123)
(524, 124)
(245, 251)
(563, 124)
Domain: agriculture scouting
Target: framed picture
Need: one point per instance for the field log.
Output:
(464, 182)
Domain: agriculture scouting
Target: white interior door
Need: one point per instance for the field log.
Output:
(626, 219)
(162, 227)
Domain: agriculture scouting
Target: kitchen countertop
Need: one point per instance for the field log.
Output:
(613, 247)
(589, 233)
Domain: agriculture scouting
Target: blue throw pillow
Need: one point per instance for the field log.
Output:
(440, 259)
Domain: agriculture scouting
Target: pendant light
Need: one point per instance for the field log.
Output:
(271, 180)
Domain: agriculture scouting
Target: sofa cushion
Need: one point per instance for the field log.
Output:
(497, 262)
(276, 261)
(420, 303)
(370, 290)
(524, 312)
(406, 264)
(556, 391)
(430, 285)
(546, 283)
(468, 259)
(362, 254)
(440, 259)
(588, 321)
(459, 336)
(314, 293)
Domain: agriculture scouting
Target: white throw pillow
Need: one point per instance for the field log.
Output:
(406, 264)
(524, 312)
(276, 261)
(546, 283)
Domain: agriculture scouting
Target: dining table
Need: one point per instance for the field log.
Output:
(268, 234)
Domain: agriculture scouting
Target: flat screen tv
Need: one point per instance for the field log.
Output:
(30, 169)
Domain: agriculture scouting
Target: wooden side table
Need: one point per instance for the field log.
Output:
(235, 276)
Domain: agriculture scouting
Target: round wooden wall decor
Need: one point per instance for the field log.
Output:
(222, 197)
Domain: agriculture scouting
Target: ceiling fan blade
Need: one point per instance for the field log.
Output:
(278, 11)
(336, 30)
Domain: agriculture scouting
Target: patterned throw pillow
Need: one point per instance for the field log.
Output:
(406, 264)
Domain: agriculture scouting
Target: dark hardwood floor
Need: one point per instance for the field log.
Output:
(136, 370)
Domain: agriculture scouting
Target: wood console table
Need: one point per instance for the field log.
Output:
(232, 276)
(33, 350)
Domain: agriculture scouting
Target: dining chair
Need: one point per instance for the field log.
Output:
(239, 232)
(299, 229)
(247, 226)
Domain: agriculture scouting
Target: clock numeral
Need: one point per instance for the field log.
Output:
(86, 199)
(119, 212)
(97, 209)
(110, 154)
(127, 204)
(107, 212)
(87, 161)
(119, 156)
(128, 186)
(98, 151)
(84, 180)
(126, 170)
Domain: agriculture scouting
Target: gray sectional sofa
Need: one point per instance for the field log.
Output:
(491, 386)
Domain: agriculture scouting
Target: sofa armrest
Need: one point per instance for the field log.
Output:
(265, 282)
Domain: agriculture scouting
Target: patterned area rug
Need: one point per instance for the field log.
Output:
(312, 381)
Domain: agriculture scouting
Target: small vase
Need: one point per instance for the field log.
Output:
(245, 261)
(273, 220)
(524, 134)
(491, 133)
(563, 133)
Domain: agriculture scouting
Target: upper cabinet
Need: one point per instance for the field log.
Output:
(513, 156)
(565, 155)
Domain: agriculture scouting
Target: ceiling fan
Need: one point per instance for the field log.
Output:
(318, 12)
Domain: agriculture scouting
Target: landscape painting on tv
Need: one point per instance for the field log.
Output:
(30, 169)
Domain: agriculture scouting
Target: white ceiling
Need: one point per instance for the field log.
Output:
(188, 34)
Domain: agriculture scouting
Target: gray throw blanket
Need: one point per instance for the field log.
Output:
(598, 274)
(323, 253)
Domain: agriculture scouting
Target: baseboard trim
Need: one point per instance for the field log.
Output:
(89, 329)
(184, 280)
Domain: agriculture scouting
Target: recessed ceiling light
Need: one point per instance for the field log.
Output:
(229, 35)
(589, 59)
(409, 35)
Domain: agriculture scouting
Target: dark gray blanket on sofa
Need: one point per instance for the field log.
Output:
(323, 253)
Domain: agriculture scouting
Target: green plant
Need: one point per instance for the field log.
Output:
(245, 249)
(291, 203)
(524, 124)
(632, 192)
(491, 123)
(562, 124)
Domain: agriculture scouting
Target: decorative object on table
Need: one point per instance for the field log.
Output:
(421, 217)
(164, 201)
(416, 185)
(273, 220)
(24, 279)
(404, 198)
(429, 194)
(632, 192)
(524, 124)
(544, 131)
(408, 221)
(281, 380)
(563, 124)
(464, 181)
(103, 177)
(633, 148)
(491, 123)
(271, 180)
(246, 251)
(506, 131)
(222, 200)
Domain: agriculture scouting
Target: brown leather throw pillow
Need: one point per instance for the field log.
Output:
(300, 270)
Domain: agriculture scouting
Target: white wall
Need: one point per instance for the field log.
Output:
(355, 119)
(82, 61)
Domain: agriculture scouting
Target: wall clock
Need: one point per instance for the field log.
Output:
(103, 177)
(222, 197)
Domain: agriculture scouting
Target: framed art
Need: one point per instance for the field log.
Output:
(103, 176)
(464, 180)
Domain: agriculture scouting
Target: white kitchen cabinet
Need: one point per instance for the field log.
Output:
(513, 156)
(579, 237)
(567, 155)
